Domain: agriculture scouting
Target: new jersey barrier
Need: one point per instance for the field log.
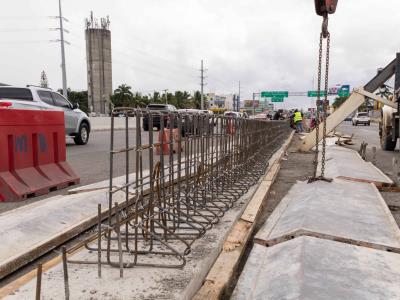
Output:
(33, 154)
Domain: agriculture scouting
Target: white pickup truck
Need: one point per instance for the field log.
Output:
(361, 118)
(77, 123)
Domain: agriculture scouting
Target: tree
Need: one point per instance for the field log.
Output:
(339, 101)
(81, 98)
(122, 97)
(197, 100)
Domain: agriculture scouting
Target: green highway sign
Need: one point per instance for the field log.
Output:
(270, 94)
(343, 93)
(315, 93)
(259, 110)
(277, 99)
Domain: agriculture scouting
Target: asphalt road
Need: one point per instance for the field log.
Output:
(370, 135)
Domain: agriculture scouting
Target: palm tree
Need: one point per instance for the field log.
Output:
(122, 96)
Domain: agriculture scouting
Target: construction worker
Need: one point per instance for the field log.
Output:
(298, 120)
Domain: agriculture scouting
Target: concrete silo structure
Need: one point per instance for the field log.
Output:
(99, 65)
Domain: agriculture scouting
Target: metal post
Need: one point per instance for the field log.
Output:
(65, 268)
(64, 72)
(202, 86)
(99, 240)
(38, 281)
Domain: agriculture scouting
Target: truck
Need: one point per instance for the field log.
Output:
(389, 124)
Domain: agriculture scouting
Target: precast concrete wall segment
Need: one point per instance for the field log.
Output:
(343, 162)
(346, 211)
(312, 268)
(33, 154)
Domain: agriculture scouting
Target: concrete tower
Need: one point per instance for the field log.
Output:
(99, 66)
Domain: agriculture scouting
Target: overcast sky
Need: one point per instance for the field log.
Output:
(158, 44)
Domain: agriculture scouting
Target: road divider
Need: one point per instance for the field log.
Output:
(33, 160)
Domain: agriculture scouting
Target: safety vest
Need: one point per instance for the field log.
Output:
(297, 117)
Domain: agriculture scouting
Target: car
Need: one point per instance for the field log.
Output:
(361, 118)
(233, 114)
(261, 116)
(77, 123)
(158, 111)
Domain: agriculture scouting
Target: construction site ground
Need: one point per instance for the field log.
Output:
(297, 166)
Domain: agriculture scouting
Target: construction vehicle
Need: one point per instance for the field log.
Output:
(389, 127)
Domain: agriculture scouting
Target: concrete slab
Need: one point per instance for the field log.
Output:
(312, 268)
(347, 211)
(343, 162)
(139, 282)
(32, 230)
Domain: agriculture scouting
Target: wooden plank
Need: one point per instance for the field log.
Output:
(225, 266)
(251, 211)
(273, 172)
(238, 236)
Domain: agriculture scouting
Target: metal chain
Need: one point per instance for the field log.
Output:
(324, 34)
(318, 103)
(325, 105)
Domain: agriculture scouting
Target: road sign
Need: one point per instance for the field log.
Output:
(277, 99)
(344, 91)
(315, 93)
(270, 94)
(259, 110)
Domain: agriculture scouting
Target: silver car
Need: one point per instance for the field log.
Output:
(77, 123)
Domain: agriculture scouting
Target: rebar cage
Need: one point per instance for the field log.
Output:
(178, 182)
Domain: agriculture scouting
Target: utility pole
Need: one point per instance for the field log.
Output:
(202, 85)
(64, 71)
(238, 100)
(166, 96)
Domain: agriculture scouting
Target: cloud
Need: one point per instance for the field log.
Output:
(158, 44)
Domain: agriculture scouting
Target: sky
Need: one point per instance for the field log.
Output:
(158, 44)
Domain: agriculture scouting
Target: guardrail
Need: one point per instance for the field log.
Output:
(180, 181)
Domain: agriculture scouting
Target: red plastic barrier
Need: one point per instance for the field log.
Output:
(230, 127)
(33, 154)
(164, 140)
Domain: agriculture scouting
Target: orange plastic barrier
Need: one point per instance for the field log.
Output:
(230, 127)
(164, 141)
(33, 154)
